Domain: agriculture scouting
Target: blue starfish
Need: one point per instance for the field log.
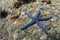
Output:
(36, 19)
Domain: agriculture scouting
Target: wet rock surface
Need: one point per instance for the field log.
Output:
(11, 23)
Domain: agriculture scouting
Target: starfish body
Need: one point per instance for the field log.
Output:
(37, 20)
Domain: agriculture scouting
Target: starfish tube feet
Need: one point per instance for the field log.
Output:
(42, 27)
(27, 25)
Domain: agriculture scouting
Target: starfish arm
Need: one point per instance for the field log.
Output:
(27, 25)
(45, 19)
(29, 15)
(37, 13)
(42, 27)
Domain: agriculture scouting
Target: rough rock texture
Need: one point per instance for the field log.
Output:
(12, 19)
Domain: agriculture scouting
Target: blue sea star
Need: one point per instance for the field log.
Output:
(37, 20)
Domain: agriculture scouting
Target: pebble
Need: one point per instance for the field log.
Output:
(53, 7)
(56, 11)
(15, 36)
(24, 39)
(43, 38)
(44, 13)
(23, 13)
(52, 20)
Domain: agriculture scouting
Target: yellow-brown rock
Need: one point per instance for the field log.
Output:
(44, 13)
(47, 1)
(15, 16)
(19, 22)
